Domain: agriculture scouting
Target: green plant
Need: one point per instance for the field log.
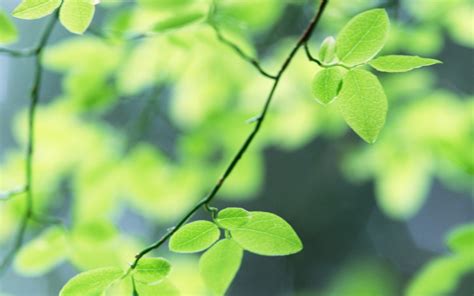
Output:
(344, 80)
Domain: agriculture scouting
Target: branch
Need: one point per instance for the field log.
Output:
(4, 196)
(240, 52)
(18, 53)
(259, 121)
(34, 98)
(311, 58)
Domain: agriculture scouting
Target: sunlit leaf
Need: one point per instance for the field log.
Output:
(267, 234)
(461, 239)
(151, 270)
(326, 84)
(163, 288)
(194, 237)
(441, 276)
(42, 253)
(363, 104)
(76, 15)
(220, 264)
(230, 218)
(327, 52)
(34, 9)
(362, 37)
(400, 63)
(8, 32)
(94, 282)
(178, 21)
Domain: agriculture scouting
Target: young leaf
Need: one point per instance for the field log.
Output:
(76, 15)
(232, 217)
(267, 234)
(151, 270)
(401, 63)
(93, 282)
(220, 264)
(179, 21)
(362, 37)
(326, 84)
(327, 52)
(35, 9)
(194, 237)
(8, 32)
(461, 239)
(42, 253)
(363, 104)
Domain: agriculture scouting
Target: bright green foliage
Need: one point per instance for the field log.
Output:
(361, 277)
(267, 234)
(326, 84)
(362, 37)
(461, 239)
(34, 9)
(163, 4)
(8, 32)
(91, 283)
(402, 187)
(151, 270)
(194, 237)
(220, 264)
(163, 288)
(231, 218)
(363, 104)
(42, 253)
(179, 21)
(401, 63)
(76, 15)
(327, 52)
(441, 276)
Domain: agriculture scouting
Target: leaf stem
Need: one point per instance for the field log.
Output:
(34, 98)
(259, 121)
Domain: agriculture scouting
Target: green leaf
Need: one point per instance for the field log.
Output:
(8, 32)
(220, 264)
(363, 104)
(441, 276)
(327, 52)
(326, 84)
(76, 15)
(194, 237)
(35, 9)
(461, 239)
(362, 37)
(163, 288)
(91, 283)
(178, 21)
(151, 270)
(232, 217)
(42, 253)
(267, 234)
(401, 63)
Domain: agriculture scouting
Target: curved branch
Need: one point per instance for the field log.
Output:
(240, 52)
(259, 121)
(34, 98)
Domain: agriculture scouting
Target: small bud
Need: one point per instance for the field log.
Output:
(327, 51)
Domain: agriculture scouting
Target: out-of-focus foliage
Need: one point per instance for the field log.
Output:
(442, 275)
(100, 170)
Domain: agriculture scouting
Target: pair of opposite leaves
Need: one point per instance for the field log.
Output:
(258, 232)
(358, 94)
(74, 15)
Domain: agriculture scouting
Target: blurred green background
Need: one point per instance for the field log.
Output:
(132, 133)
